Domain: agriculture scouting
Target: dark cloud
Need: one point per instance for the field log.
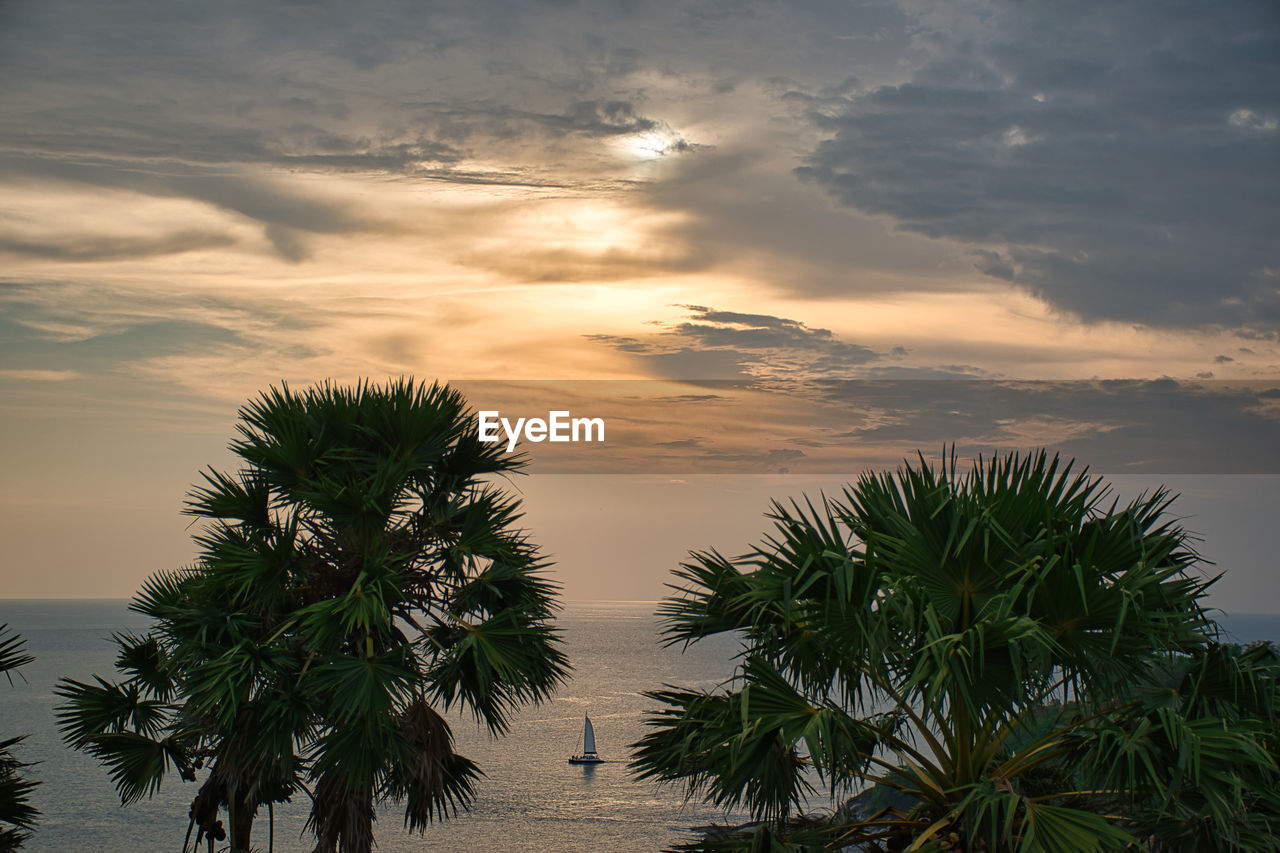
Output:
(1117, 159)
(680, 443)
(390, 86)
(756, 321)
(716, 344)
(743, 209)
(688, 363)
(1160, 426)
(592, 118)
(1256, 335)
(285, 212)
(164, 142)
(932, 371)
(82, 248)
(110, 329)
(25, 347)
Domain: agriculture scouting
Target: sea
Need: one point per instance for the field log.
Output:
(531, 798)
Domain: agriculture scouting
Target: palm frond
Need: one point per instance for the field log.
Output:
(12, 654)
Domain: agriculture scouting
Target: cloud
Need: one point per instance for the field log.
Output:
(157, 343)
(37, 375)
(434, 157)
(769, 351)
(1162, 426)
(589, 264)
(745, 211)
(236, 104)
(285, 212)
(124, 342)
(1117, 160)
(715, 344)
(89, 248)
(589, 118)
(680, 443)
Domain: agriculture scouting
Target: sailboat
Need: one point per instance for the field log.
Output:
(588, 755)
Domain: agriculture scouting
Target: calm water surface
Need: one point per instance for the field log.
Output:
(531, 800)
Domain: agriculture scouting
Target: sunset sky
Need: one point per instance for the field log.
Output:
(775, 242)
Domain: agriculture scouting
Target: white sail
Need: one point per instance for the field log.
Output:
(588, 755)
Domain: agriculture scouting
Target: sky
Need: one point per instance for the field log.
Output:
(772, 243)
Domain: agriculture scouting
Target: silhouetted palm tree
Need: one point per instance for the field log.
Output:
(17, 815)
(980, 654)
(360, 572)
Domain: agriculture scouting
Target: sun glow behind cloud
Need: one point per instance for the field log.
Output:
(651, 145)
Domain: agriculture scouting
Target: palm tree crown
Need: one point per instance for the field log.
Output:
(357, 574)
(953, 644)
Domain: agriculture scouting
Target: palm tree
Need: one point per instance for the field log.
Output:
(956, 646)
(1191, 759)
(360, 575)
(17, 815)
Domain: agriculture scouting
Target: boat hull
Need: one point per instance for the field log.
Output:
(586, 759)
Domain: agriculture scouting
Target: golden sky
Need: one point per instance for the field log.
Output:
(199, 201)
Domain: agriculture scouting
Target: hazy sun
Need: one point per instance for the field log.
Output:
(648, 145)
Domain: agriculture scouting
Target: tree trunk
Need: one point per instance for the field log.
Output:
(240, 814)
(344, 824)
